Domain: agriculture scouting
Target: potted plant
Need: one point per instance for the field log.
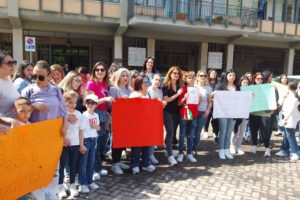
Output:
(181, 16)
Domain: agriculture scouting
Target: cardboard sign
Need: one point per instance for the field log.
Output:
(137, 122)
(28, 157)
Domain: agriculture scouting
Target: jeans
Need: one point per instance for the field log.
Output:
(86, 162)
(280, 129)
(136, 156)
(237, 137)
(264, 125)
(171, 122)
(69, 155)
(201, 121)
(289, 141)
(101, 147)
(187, 129)
(226, 126)
(214, 124)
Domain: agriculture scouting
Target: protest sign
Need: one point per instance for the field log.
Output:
(28, 157)
(137, 122)
(232, 104)
(263, 97)
(193, 95)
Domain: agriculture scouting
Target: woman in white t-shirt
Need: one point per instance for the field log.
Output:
(140, 91)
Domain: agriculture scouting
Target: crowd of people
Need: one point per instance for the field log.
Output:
(38, 92)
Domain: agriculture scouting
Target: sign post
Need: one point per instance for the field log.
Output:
(30, 45)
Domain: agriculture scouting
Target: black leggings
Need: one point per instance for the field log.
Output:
(262, 124)
(214, 123)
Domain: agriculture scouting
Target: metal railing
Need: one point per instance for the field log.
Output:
(194, 11)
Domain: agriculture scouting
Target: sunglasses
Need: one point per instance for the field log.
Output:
(100, 69)
(146, 82)
(39, 77)
(175, 73)
(259, 78)
(88, 101)
(10, 63)
(201, 75)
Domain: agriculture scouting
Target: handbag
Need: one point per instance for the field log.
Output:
(187, 113)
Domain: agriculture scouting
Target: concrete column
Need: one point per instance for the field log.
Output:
(151, 47)
(229, 56)
(203, 56)
(289, 61)
(18, 44)
(118, 48)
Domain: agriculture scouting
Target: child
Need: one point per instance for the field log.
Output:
(189, 99)
(86, 160)
(75, 133)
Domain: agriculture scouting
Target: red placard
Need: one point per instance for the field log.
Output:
(137, 122)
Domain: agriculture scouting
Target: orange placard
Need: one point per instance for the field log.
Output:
(137, 122)
(29, 156)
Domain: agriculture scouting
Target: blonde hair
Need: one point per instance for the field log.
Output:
(22, 101)
(198, 74)
(66, 83)
(57, 67)
(168, 81)
(70, 95)
(118, 76)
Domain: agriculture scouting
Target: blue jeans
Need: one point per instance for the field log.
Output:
(86, 162)
(289, 141)
(69, 156)
(187, 129)
(226, 127)
(201, 121)
(248, 133)
(279, 128)
(101, 146)
(136, 156)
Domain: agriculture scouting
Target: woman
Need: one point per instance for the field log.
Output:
(260, 121)
(115, 66)
(84, 73)
(57, 74)
(140, 91)
(99, 86)
(73, 81)
(133, 75)
(149, 68)
(22, 76)
(8, 93)
(240, 126)
(204, 107)
(226, 125)
(120, 89)
(48, 104)
(291, 116)
(212, 82)
(171, 92)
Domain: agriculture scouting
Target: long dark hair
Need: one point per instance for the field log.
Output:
(20, 72)
(235, 82)
(105, 79)
(145, 64)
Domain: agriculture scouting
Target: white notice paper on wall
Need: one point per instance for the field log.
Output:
(229, 104)
(215, 60)
(193, 95)
(136, 56)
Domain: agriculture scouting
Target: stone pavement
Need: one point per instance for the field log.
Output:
(246, 177)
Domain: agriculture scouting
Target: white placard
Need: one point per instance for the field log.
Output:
(136, 56)
(30, 44)
(215, 60)
(193, 95)
(229, 104)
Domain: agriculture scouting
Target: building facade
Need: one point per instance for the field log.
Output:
(245, 35)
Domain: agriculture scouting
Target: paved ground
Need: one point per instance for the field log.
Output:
(246, 177)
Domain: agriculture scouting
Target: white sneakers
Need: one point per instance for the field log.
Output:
(222, 154)
(117, 168)
(96, 176)
(149, 168)
(103, 172)
(232, 149)
(191, 158)
(172, 160)
(73, 190)
(205, 135)
(135, 170)
(84, 189)
(123, 165)
(240, 152)
(180, 157)
(267, 152)
(153, 159)
(227, 154)
(294, 156)
(93, 186)
(281, 153)
(61, 191)
(253, 149)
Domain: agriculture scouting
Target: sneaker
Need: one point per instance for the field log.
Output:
(153, 159)
(191, 158)
(278, 133)
(180, 157)
(222, 154)
(135, 170)
(61, 191)
(124, 166)
(240, 152)
(232, 150)
(253, 149)
(116, 169)
(96, 176)
(149, 168)
(281, 153)
(294, 156)
(297, 134)
(267, 152)
(67, 179)
(73, 190)
(93, 186)
(172, 160)
(84, 189)
(227, 154)
(124, 155)
(103, 172)
(205, 135)
(195, 152)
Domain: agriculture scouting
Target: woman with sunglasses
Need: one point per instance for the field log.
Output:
(48, 103)
(171, 92)
(204, 107)
(98, 85)
(120, 89)
(149, 68)
(22, 77)
(8, 93)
